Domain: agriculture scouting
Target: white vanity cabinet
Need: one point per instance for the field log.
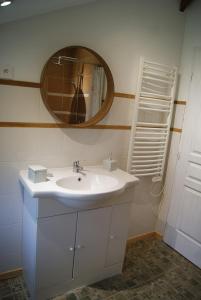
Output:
(55, 250)
(64, 248)
(91, 242)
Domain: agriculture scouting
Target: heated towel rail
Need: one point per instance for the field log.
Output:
(152, 119)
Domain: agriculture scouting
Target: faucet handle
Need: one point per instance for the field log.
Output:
(76, 163)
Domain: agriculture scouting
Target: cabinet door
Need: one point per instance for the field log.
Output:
(118, 234)
(91, 241)
(55, 249)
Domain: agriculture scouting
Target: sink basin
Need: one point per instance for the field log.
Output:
(92, 188)
(89, 189)
(89, 182)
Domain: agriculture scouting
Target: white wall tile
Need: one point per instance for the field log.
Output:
(9, 184)
(19, 144)
(10, 260)
(11, 210)
(44, 115)
(178, 116)
(49, 142)
(19, 104)
(10, 237)
(10, 247)
(169, 181)
(92, 146)
(120, 112)
(144, 208)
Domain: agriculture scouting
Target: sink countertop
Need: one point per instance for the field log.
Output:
(51, 188)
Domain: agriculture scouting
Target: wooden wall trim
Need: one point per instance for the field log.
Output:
(124, 95)
(19, 83)
(10, 274)
(180, 102)
(116, 127)
(143, 236)
(61, 125)
(158, 235)
(179, 130)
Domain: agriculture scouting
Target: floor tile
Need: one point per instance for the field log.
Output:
(152, 271)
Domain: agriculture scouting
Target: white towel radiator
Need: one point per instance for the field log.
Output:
(152, 119)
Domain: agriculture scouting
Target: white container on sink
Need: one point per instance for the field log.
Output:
(37, 173)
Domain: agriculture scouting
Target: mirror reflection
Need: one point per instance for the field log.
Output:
(74, 84)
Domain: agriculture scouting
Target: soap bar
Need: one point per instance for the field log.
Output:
(37, 173)
(110, 164)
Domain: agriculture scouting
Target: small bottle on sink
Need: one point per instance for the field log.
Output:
(109, 163)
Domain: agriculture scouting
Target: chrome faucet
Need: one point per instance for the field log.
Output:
(77, 168)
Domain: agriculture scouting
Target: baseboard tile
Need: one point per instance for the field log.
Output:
(10, 274)
(158, 235)
(143, 236)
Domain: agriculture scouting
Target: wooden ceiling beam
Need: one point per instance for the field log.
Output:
(184, 4)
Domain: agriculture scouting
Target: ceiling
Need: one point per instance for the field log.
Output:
(21, 9)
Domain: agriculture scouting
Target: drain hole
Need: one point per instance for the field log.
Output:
(79, 179)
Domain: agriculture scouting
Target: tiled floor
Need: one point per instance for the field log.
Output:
(152, 271)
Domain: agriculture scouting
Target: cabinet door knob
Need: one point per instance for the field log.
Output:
(112, 237)
(71, 249)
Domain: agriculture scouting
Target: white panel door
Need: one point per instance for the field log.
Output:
(55, 249)
(183, 228)
(91, 242)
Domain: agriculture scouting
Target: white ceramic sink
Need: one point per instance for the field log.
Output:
(89, 182)
(78, 190)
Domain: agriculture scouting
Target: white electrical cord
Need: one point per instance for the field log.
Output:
(161, 191)
(156, 213)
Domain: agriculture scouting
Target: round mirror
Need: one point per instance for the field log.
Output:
(77, 86)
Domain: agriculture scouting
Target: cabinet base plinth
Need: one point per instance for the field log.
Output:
(56, 290)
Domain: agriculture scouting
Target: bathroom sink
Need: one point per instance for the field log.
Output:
(88, 182)
(87, 189)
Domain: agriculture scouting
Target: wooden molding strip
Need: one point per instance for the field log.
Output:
(61, 125)
(180, 102)
(116, 127)
(158, 235)
(19, 83)
(176, 130)
(143, 236)
(10, 274)
(123, 95)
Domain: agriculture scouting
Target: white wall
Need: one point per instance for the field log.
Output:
(120, 31)
(192, 39)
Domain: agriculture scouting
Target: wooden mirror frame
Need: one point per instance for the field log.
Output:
(109, 95)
